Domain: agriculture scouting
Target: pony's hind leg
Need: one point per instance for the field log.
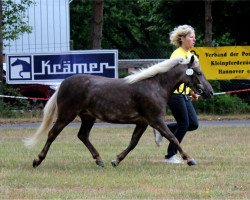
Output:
(83, 135)
(138, 131)
(53, 133)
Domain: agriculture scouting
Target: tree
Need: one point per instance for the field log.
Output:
(97, 24)
(208, 22)
(140, 29)
(137, 28)
(1, 44)
(15, 19)
(13, 23)
(81, 15)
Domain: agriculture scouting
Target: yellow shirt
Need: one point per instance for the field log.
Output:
(180, 52)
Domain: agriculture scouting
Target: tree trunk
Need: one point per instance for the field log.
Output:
(208, 23)
(97, 24)
(1, 44)
(1, 48)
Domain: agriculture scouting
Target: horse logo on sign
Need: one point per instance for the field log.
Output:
(20, 68)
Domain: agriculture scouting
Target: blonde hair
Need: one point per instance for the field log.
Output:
(178, 32)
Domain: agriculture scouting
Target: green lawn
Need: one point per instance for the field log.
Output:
(69, 172)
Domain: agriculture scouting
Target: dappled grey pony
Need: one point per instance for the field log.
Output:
(139, 99)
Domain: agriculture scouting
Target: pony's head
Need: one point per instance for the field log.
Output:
(195, 79)
(189, 73)
(16, 62)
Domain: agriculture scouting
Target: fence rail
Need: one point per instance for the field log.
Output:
(136, 63)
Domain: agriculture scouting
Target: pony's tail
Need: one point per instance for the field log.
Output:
(49, 112)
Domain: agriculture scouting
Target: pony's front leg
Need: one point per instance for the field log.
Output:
(83, 135)
(165, 132)
(138, 131)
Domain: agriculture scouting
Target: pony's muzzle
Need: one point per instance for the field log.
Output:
(205, 93)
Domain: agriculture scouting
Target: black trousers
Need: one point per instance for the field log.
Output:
(186, 119)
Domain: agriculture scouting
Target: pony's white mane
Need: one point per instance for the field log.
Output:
(158, 68)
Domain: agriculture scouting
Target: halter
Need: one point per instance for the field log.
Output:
(190, 73)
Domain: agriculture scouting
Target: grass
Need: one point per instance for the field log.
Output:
(69, 172)
(36, 116)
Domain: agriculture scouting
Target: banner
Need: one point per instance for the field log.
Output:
(224, 63)
(52, 68)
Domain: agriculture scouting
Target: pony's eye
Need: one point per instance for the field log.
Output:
(198, 72)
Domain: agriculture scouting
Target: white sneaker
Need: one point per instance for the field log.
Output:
(173, 160)
(158, 138)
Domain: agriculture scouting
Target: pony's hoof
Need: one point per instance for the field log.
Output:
(35, 163)
(114, 163)
(100, 163)
(191, 162)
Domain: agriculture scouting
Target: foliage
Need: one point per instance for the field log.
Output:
(222, 104)
(226, 18)
(225, 40)
(140, 29)
(135, 23)
(5, 109)
(80, 15)
(15, 19)
(215, 85)
(11, 107)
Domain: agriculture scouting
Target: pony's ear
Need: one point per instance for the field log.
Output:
(192, 59)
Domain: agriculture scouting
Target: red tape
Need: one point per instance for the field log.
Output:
(18, 97)
(232, 92)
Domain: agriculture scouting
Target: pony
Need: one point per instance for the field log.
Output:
(140, 99)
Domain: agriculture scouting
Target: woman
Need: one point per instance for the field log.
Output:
(183, 37)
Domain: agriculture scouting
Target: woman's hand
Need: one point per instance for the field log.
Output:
(194, 96)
